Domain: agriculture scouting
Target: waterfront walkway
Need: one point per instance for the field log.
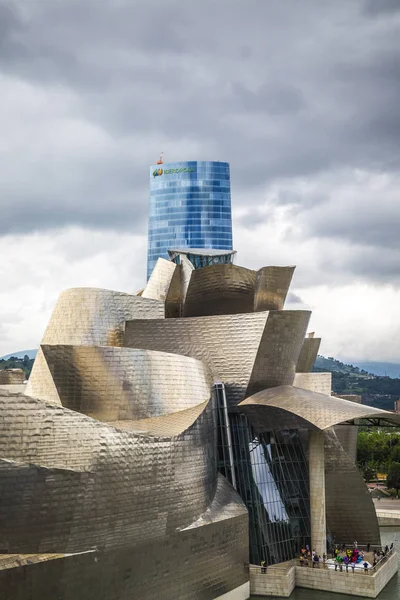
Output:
(387, 504)
(388, 512)
(280, 580)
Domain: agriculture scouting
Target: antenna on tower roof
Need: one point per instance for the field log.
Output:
(160, 160)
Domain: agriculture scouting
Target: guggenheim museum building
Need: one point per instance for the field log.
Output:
(168, 439)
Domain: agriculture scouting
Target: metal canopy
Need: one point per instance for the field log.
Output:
(289, 407)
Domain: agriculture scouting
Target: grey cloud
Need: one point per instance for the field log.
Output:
(251, 219)
(101, 195)
(371, 219)
(279, 93)
(376, 7)
(280, 99)
(293, 298)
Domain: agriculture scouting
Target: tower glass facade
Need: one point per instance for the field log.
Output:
(190, 207)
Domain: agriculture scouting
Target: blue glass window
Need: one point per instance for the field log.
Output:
(190, 207)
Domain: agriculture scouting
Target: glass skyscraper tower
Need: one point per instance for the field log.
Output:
(190, 207)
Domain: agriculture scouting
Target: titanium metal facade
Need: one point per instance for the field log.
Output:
(165, 440)
(190, 207)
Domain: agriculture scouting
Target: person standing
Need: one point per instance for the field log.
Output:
(365, 567)
(346, 562)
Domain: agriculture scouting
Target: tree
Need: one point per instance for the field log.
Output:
(369, 473)
(26, 361)
(393, 478)
(395, 453)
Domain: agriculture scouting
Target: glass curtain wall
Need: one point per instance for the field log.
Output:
(272, 479)
(190, 207)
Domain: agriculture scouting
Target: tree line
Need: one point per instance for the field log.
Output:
(378, 451)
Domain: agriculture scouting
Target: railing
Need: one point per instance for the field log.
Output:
(308, 563)
(383, 559)
(281, 568)
(359, 570)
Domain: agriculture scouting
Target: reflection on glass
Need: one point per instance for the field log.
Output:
(189, 208)
(272, 479)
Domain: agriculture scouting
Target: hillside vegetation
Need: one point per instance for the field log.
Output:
(25, 364)
(377, 391)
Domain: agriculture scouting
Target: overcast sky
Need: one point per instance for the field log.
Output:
(302, 97)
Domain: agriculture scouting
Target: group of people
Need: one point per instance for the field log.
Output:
(352, 557)
(344, 557)
(379, 554)
(306, 555)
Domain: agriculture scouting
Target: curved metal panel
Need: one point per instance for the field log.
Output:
(279, 349)
(220, 290)
(169, 425)
(272, 285)
(347, 436)
(350, 511)
(227, 344)
(308, 354)
(173, 303)
(249, 351)
(87, 317)
(40, 383)
(77, 483)
(92, 316)
(206, 560)
(158, 285)
(165, 285)
(286, 404)
(114, 384)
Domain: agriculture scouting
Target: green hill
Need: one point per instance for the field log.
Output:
(378, 391)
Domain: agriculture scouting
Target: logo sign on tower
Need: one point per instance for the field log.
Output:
(158, 172)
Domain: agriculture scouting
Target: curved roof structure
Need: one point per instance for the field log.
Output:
(87, 317)
(216, 289)
(220, 290)
(119, 384)
(308, 354)
(244, 351)
(272, 286)
(289, 407)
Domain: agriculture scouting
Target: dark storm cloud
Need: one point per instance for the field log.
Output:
(374, 223)
(281, 92)
(376, 7)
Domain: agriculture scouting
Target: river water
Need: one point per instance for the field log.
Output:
(390, 592)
